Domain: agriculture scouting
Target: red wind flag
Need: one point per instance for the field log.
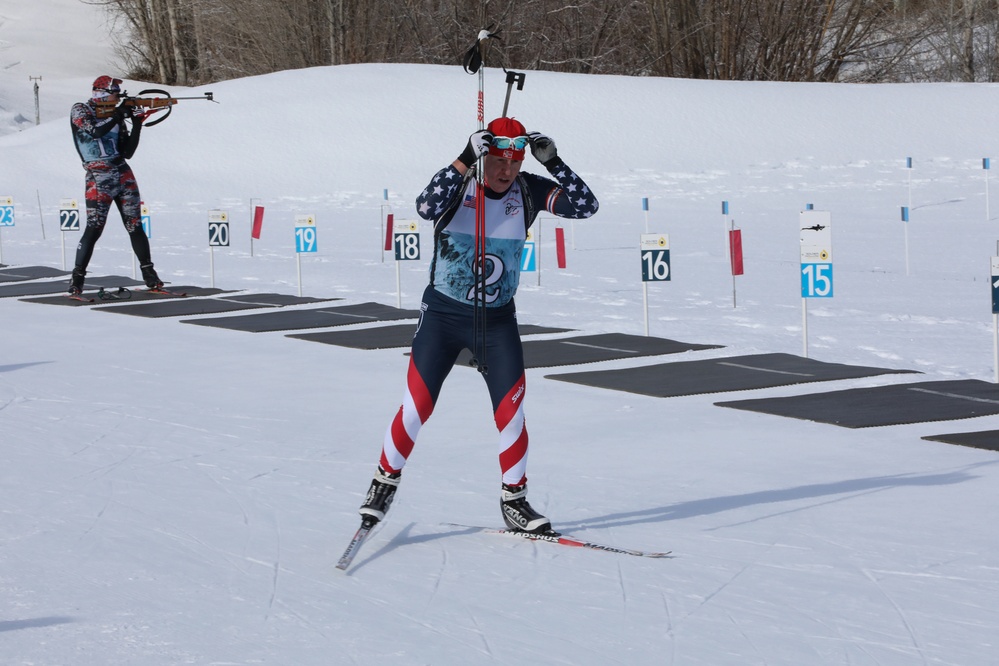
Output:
(389, 221)
(560, 246)
(735, 250)
(258, 221)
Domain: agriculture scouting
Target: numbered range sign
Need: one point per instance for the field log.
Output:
(529, 259)
(305, 234)
(406, 238)
(147, 221)
(655, 257)
(816, 254)
(69, 215)
(6, 211)
(995, 285)
(218, 228)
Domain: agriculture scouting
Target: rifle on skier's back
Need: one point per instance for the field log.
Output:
(158, 100)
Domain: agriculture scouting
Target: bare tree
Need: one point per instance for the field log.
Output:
(195, 41)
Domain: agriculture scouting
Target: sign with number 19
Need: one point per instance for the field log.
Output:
(305, 234)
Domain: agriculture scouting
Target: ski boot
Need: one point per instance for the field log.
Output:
(518, 514)
(150, 277)
(76, 283)
(380, 495)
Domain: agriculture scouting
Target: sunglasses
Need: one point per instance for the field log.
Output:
(510, 143)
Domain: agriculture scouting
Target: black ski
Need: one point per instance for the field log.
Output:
(78, 297)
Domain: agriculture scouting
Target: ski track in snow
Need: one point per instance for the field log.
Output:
(899, 612)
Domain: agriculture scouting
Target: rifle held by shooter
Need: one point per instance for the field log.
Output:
(158, 100)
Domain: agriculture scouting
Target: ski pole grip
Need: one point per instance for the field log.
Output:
(516, 77)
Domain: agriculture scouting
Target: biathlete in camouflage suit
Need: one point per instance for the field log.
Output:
(512, 201)
(103, 145)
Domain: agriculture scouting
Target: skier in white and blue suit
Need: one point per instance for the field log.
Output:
(511, 203)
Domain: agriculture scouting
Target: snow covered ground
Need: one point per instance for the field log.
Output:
(177, 494)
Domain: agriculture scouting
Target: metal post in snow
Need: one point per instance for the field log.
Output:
(384, 223)
(298, 264)
(731, 252)
(38, 108)
(995, 315)
(725, 222)
(804, 327)
(645, 305)
(905, 221)
(398, 283)
(537, 249)
(908, 169)
(41, 220)
(985, 167)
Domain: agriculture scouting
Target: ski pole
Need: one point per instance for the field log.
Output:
(474, 62)
(511, 78)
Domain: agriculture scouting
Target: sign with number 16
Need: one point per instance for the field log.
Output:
(655, 258)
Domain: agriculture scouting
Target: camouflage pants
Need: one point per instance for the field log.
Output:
(103, 187)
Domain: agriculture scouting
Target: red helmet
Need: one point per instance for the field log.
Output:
(105, 86)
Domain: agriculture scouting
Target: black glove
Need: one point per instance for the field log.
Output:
(477, 146)
(122, 111)
(542, 147)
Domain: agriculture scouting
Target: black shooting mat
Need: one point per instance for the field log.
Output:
(391, 337)
(293, 320)
(885, 405)
(983, 439)
(136, 294)
(19, 273)
(717, 375)
(165, 306)
(19, 290)
(593, 348)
